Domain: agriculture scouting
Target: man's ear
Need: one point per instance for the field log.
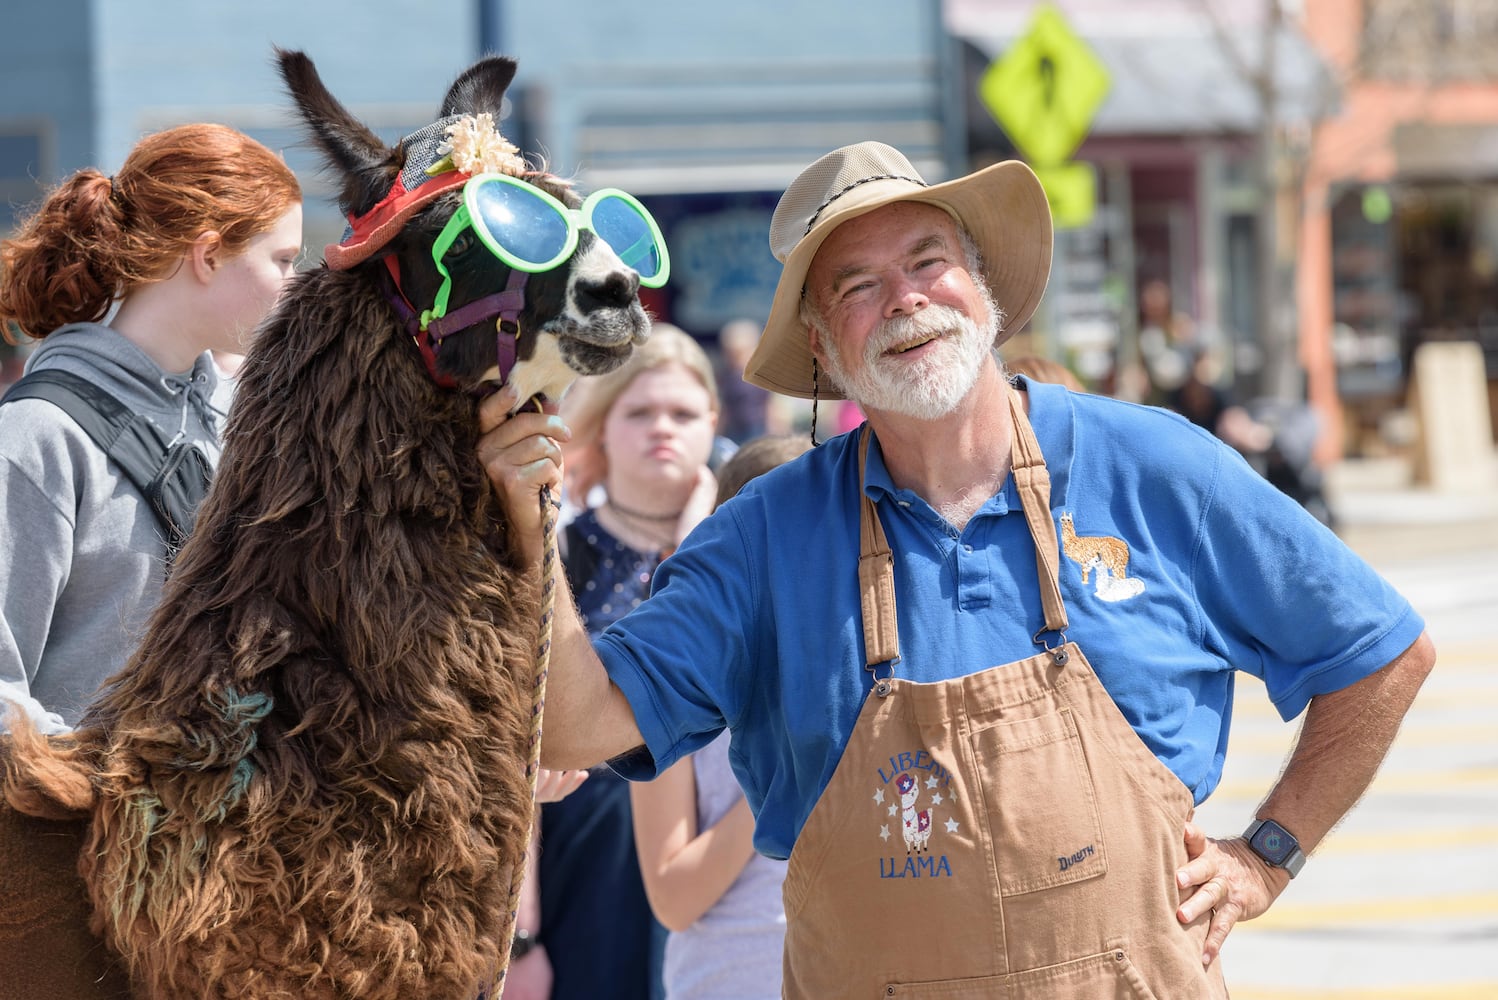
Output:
(814, 341)
(206, 255)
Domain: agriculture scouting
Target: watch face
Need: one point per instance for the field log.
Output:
(1273, 842)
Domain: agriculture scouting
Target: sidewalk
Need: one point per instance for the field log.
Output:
(1383, 514)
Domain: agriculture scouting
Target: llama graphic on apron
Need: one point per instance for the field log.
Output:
(921, 786)
(917, 823)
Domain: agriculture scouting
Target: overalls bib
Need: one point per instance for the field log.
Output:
(1004, 834)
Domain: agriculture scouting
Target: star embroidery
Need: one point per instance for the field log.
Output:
(931, 781)
(936, 798)
(884, 833)
(892, 808)
(951, 826)
(878, 796)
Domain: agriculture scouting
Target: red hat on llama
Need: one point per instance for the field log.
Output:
(443, 155)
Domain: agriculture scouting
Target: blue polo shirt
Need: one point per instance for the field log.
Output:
(754, 623)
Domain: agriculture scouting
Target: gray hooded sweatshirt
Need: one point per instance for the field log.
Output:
(83, 554)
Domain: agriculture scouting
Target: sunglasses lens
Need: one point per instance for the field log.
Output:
(525, 225)
(630, 234)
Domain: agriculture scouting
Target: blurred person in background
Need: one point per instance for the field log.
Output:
(694, 832)
(1276, 437)
(637, 465)
(745, 405)
(131, 282)
(1044, 370)
(1168, 341)
(530, 976)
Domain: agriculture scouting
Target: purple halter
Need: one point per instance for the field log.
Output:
(507, 305)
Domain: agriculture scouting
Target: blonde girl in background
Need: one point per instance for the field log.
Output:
(637, 470)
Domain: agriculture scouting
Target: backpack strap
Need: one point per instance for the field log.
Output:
(100, 415)
(173, 478)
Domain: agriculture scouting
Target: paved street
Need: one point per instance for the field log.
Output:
(1401, 901)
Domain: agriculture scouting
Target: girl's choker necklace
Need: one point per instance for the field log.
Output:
(641, 515)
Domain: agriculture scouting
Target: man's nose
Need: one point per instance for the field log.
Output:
(906, 297)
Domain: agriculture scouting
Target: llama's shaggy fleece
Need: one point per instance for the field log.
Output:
(310, 780)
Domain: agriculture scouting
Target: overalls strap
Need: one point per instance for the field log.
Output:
(876, 577)
(876, 564)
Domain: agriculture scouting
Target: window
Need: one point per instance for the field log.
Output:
(1429, 41)
(25, 167)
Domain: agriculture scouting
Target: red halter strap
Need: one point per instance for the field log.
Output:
(507, 305)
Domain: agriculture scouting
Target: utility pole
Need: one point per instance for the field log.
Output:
(490, 27)
(1279, 372)
(1276, 294)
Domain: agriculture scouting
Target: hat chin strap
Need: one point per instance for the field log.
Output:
(506, 305)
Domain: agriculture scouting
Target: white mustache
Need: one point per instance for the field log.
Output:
(929, 322)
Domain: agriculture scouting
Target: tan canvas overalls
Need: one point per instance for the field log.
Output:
(1004, 834)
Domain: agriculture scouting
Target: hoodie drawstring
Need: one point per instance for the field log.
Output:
(194, 392)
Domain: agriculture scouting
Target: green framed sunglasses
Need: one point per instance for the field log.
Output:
(533, 232)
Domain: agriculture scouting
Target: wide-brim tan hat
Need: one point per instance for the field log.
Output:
(1002, 206)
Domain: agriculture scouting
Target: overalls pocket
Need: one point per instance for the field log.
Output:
(1040, 802)
(1108, 976)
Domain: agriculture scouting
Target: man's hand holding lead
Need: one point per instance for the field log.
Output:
(522, 454)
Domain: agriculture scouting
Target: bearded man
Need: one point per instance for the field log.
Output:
(892, 626)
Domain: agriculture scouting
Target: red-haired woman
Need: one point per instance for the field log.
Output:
(132, 282)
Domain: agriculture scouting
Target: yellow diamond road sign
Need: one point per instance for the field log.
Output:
(1045, 88)
(1071, 189)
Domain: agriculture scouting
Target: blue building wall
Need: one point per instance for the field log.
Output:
(99, 74)
(708, 110)
(685, 95)
(705, 110)
(47, 97)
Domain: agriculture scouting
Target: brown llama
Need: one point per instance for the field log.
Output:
(310, 781)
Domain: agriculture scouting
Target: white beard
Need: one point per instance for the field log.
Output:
(926, 389)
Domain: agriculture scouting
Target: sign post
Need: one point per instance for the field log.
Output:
(1044, 91)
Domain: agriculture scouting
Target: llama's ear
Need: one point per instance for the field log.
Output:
(365, 166)
(480, 88)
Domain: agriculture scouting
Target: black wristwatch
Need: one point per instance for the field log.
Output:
(521, 944)
(1275, 845)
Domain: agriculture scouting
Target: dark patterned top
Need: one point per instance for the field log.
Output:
(596, 921)
(619, 576)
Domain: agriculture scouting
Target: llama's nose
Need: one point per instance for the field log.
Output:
(615, 290)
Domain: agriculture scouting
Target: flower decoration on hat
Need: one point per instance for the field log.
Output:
(474, 146)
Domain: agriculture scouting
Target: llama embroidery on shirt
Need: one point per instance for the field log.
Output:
(1103, 555)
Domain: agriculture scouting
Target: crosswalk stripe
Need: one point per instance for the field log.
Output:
(1414, 991)
(1375, 843)
(1389, 783)
(1411, 734)
(1479, 697)
(1304, 916)
(1253, 706)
